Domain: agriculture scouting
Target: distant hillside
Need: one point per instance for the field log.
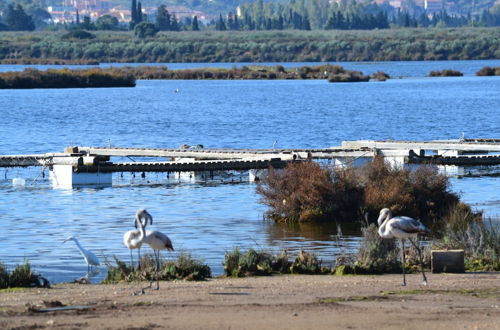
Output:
(474, 6)
(216, 7)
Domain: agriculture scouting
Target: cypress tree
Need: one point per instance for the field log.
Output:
(133, 15)
(163, 19)
(194, 25)
(220, 25)
(174, 24)
(139, 12)
(236, 23)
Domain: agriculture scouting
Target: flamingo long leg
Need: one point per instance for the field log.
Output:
(403, 260)
(420, 259)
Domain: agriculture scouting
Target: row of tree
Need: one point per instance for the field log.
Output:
(346, 15)
(260, 15)
(16, 19)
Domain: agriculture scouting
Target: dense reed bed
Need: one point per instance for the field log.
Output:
(64, 78)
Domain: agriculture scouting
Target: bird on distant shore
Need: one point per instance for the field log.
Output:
(89, 257)
(402, 227)
(157, 241)
(131, 238)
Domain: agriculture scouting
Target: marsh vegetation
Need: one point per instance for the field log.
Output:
(64, 78)
(253, 46)
(21, 276)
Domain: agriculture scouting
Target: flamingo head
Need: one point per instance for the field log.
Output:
(384, 213)
(144, 214)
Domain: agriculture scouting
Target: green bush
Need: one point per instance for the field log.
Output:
(78, 34)
(377, 255)
(479, 240)
(250, 263)
(4, 277)
(145, 29)
(121, 272)
(21, 276)
(185, 267)
(253, 263)
(308, 263)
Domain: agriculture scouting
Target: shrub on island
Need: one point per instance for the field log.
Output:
(380, 76)
(64, 78)
(489, 71)
(307, 191)
(446, 73)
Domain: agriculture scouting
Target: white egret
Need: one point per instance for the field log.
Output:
(89, 257)
(402, 227)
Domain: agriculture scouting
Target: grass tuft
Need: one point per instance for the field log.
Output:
(480, 240)
(185, 267)
(253, 263)
(21, 276)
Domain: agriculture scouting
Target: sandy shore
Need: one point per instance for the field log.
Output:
(450, 301)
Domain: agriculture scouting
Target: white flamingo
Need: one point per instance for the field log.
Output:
(89, 257)
(131, 238)
(402, 227)
(157, 241)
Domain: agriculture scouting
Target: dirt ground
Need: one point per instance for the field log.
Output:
(450, 301)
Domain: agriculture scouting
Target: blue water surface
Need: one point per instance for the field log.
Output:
(208, 219)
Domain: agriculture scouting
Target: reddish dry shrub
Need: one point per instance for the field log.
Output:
(348, 194)
(307, 192)
(422, 193)
(301, 192)
(386, 187)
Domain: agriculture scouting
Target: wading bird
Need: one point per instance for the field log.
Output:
(89, 257)
(157, 241)
(402, 227)
(131, 237)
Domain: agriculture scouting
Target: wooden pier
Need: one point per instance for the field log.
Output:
(88, 165)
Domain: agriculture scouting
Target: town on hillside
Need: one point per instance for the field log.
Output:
(66, 11)
(17, 15)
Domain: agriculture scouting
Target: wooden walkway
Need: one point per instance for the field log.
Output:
(98, 159)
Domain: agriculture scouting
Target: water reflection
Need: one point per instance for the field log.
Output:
(312, 231)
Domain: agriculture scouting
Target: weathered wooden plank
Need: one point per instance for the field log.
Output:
(425, 145)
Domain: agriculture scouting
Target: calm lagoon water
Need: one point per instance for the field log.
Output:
(209, 219)
(394, 69)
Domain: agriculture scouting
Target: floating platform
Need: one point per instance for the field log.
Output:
(93, 165)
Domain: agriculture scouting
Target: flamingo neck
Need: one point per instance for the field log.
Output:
(142, 230)
(382, 227)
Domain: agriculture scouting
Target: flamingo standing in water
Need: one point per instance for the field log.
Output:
(402, 227)
(131, 237)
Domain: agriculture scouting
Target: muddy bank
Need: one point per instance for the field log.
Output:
(279, 302)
